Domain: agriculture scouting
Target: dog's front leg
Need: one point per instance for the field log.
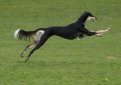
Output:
(99, 33)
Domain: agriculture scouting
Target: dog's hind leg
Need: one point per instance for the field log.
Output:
(42, 40)
(35, 38)
(26, 48)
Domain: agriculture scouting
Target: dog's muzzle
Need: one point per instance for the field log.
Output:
(92, 18)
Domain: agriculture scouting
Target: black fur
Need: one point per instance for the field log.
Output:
(27, 34)
(76, 29)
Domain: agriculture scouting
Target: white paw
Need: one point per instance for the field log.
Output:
(108, 29)
(99, 35)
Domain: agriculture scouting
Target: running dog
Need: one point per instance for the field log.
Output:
(71, 31)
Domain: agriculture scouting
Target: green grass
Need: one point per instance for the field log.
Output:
(90, 61)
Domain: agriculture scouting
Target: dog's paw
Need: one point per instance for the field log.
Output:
(108, 29)
(99, 35)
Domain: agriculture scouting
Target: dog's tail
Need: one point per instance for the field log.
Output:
(22, 34)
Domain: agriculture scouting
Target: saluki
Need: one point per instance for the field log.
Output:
(71, 31)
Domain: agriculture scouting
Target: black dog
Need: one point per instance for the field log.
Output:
(72, 31)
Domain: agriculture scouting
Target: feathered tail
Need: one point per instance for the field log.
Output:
(22, 34)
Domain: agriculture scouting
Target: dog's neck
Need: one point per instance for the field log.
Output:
(82, 19)
(82, 25)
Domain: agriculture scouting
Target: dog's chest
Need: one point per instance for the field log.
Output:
(76, 35)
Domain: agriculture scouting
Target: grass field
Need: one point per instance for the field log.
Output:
(90, 61)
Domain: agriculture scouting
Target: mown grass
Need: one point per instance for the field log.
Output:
(90, 61)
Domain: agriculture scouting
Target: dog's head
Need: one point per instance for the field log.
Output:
(90, 16)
